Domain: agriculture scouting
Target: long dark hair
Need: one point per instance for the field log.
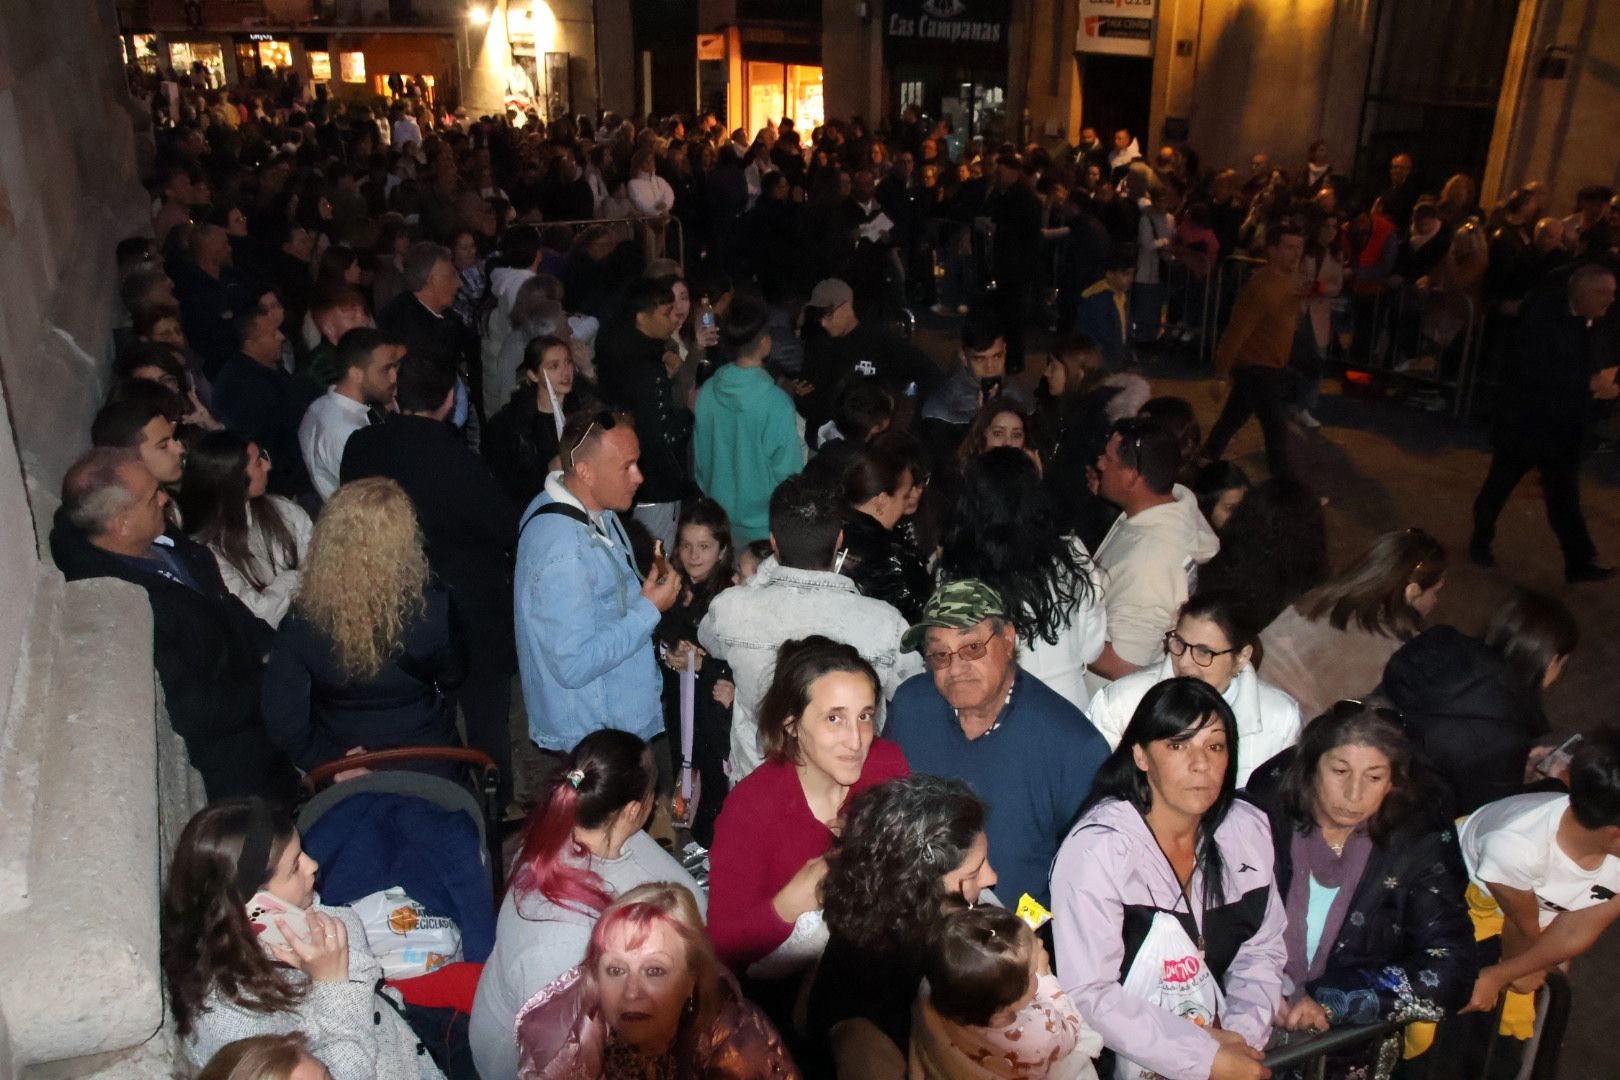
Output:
(705, 512)
(883, 886)
(1351, 723)
(1530, 631)
(1273, 548)
(1006, 532)
(215, 507)
(606, 772)
(1175, 710)
(1371, 592)
(207, 940)
(799, 664)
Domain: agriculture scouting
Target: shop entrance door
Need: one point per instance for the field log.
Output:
(1116, 92)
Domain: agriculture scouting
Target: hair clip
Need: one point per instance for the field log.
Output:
(992, 933)
(928, 853)
(576, 777)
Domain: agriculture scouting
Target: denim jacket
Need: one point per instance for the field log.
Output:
(584, 631)
(746, 626)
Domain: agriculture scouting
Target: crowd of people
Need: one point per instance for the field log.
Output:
(1017, 734)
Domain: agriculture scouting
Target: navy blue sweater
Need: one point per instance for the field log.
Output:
(1033, 770)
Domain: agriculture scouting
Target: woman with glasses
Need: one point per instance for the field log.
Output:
(1169, 932)
(1214, 642)
(1334, 641)
(1372, 880)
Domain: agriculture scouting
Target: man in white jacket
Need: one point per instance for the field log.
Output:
(1151, 555)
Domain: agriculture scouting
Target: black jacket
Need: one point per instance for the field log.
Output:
(317, 712)
(468, 524)
(1407, 933)
(420, 331)
(1016, 213)
(1548, 385)
(631, 368)
(520, 441)
(209, 653)
(265, 405)
(868, 350)
(884, 566)
(1473, 718)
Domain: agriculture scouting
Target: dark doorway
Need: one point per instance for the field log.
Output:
(669, 32)
(1432, 88)
(1116, 92)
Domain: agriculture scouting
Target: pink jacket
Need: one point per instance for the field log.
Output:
(1110, 878)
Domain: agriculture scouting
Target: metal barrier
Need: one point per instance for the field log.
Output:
(1234, 271)
(1308, 1052)
(644, 224)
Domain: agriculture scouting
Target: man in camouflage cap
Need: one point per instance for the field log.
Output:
(975, 716)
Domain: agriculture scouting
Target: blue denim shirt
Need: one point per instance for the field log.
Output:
(584, 631)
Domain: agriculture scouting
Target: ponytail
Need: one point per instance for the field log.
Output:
(606, 772)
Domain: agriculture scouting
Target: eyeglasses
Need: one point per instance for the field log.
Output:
(940, 659)
(1202, 655)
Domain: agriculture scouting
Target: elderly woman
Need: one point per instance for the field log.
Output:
(1371, 876)
(583, 846)
(368, 648)
(817, 725)
(1213, 642)
(1169, 934)
(650, 1000)
(908, 846)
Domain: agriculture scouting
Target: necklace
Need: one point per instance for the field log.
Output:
(1338, 849)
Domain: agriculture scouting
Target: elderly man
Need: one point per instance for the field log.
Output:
(975, 716)
(584, 613)
(419, 318)
(207, 647)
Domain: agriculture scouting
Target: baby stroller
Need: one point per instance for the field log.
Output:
(435, 838)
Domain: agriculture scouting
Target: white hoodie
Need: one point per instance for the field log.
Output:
(1150, 562)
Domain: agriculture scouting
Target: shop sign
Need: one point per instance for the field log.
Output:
(711, 46)
(1120, 27)
(967, 23)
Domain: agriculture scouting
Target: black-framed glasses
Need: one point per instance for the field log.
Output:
(1202, 655)
(940, 659)
(1344, 708)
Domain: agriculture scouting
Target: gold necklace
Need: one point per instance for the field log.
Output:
(1338, 849)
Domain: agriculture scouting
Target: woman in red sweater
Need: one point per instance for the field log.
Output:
(817, 726)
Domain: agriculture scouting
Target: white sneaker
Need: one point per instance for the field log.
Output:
(1306, 420)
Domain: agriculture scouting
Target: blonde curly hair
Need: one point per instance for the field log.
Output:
(362, 583)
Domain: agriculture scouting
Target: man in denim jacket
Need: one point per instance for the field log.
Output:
(797, 593)
(584, 615)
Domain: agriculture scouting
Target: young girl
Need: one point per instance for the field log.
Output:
(990, 1007)
(703, 558)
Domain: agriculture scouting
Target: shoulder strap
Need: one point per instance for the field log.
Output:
(558, 508)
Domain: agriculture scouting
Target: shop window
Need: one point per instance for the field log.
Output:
(796, 91)
(145, 48)
(806, 103)
(276, 54)
(184, 54)
(912, 93)
(352, 67)
(320, 67)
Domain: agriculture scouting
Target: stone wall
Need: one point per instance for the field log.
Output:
(92, 783)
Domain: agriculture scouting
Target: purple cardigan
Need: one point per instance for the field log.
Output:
(1110, 878)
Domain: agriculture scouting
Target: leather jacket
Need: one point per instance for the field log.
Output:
(884, 566)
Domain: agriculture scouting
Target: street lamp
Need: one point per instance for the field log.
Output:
(478, 14)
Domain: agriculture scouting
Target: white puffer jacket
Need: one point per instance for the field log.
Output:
(1268, 719)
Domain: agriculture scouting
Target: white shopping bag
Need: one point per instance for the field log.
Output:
(1169, 972)
(406, 940)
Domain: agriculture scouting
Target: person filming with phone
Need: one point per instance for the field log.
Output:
(248, 949)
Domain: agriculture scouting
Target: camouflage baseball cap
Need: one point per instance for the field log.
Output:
(956, 605)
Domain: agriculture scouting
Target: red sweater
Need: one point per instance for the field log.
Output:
(764, 835)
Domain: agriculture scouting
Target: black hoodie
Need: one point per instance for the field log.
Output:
(1469, 711)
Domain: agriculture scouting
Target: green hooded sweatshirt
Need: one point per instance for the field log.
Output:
(745, 441)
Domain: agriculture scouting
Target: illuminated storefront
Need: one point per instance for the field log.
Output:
(757, 73)
(777, 90)
(210, 54)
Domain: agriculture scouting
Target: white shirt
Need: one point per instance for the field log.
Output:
(1268, 720)
(1514, 842)
(324, 432)
(406, 130)
(281, 579)
(1062, 666)
(651, 195)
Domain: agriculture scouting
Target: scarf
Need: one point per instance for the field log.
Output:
(1314, 859)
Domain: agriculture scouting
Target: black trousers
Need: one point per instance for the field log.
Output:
(485, 695)
(1559, 462)
(1264, 392)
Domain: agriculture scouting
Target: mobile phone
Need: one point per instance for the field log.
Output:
(265, 908)
(1557, 759)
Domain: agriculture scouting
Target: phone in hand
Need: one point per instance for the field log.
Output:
(264, 909)
(1558, 758)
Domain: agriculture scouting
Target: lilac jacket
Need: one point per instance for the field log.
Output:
(1109, 879)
